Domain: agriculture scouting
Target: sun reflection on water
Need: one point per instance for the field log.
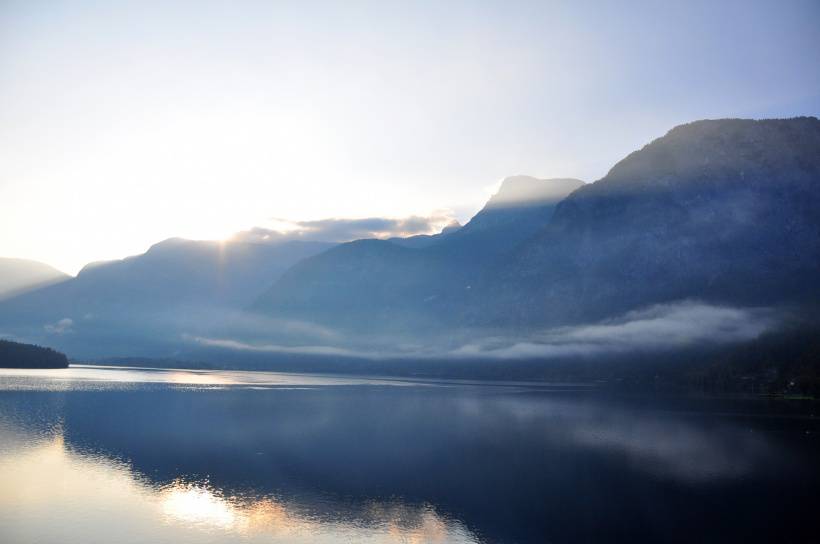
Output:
(201, 505)
(42, 475)
(197, 505)
(182, 377)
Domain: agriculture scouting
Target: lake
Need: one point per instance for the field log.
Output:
(101, 454)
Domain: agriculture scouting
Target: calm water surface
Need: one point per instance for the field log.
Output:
(93, 454)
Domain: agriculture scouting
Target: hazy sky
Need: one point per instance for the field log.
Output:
(123, 123)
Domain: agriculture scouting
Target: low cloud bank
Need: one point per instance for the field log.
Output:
(345, 230)
(63, 326)
(274, 348)
(658, 328)
(655, 329)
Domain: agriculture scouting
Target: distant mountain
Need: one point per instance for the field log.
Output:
(135, 304)
(18, 276)
(723, 211)
(395, 284)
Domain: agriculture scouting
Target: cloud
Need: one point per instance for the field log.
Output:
(657, 328)
(500, 348)
(274, 348)
(255, 325)
(657, 442)
(674, 448)
(63, 326)
(345, 230)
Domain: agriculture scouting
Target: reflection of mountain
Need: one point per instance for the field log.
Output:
(144, 302)
(78, 510)
(18, 276)
(519, 467)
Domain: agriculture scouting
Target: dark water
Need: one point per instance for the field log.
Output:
(101, 455)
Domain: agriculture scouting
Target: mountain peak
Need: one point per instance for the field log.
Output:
(717, 149)
(529, 191)
(452, 226)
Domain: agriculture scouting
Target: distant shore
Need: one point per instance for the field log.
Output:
(18, 355)
(783, 365)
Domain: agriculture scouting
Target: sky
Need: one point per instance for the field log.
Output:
(125, 123)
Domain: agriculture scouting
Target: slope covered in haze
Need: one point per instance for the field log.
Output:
(135, 304)
(382, 284)
(713, 222)
(723, 211)
(20, 275)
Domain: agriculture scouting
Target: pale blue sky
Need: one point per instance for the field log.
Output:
(123, 123)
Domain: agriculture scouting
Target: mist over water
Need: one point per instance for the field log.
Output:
(211, 456)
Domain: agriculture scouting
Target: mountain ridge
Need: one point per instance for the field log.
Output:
(716, 209)
(706, 211)
(18, 276)
(177, 286)
(365, 281)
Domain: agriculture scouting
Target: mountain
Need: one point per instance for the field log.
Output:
(716, 213)
(724, 211)
(426, 240)
(392, 284)
(18, 276)
(522, 206)
(720, 210)
(134, 305)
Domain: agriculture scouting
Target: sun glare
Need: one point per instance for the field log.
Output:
(198, 505)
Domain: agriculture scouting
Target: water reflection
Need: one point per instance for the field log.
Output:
(95, 377)
(302, 460)
(52, 494)
(200, 505)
